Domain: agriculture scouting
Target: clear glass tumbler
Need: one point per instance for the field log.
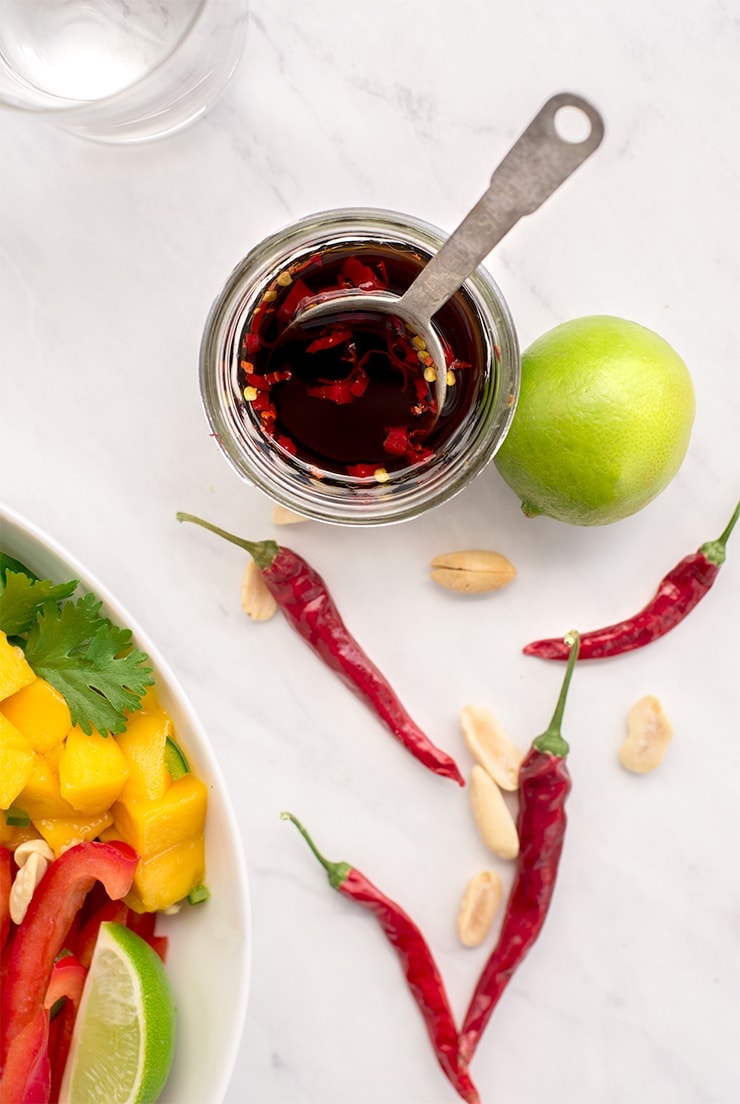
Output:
(118, 70)
(472, 424)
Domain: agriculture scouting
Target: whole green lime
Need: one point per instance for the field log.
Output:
(602, 423)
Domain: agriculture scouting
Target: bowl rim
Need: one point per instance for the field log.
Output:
(197, 741)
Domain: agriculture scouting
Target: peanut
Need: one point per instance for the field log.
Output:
(649, 733)
(24, 850)
(478, 907)
(472, 572)
(491, 746)
(495, 822)
(281, 515)
(257, 601)
(24, 885)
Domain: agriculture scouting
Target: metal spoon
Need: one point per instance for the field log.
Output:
(536, 165)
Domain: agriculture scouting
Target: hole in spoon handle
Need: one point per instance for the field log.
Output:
(544, 156)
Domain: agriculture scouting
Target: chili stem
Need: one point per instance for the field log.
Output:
(262, 552)
(552, 740)
(715, 551)
(337, 872)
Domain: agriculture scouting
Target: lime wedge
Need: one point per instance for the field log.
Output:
(124, 1033)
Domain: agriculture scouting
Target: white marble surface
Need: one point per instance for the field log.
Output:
(109, 260)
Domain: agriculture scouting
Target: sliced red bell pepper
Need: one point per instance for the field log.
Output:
(53, 908)
(26, 1075)
(84, 945)
(67, 980)
(144, 924)
(6, 880)
(159, 944)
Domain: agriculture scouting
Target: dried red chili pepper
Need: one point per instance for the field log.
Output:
(677, 594)
(544, 784)
(302, 595)
(422, 974)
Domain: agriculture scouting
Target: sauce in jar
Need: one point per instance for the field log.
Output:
(353, 394)
(337, 421)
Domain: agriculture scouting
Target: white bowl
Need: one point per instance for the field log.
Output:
(209, 953)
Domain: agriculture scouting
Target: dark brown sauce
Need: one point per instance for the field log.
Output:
(347, 393)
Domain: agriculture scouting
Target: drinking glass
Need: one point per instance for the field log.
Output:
(118, 70)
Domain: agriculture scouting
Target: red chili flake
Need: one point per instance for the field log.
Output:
(422, 391)
(336, 334)
(268, 380)
(252, 343)
(361, 275)
(417, 454)
(358, 382)
(456, 365)
(292, 301)
(339, 392)
(287, 444)
(362, 471)
(396, 441)
(261, 402)
(259, 383)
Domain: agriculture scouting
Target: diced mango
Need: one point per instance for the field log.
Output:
(40, 712)
(11, 835)
(16, 762)
(149, 702)
(15, 672)
(153, 826)
(167, 877)
(92, 771)
(143, 746)
(63, 832)
(41, 796)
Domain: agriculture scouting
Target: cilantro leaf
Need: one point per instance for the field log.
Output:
(9, 563)
(90, 661)
(22, 599)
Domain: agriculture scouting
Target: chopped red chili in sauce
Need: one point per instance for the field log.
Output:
(353, 394)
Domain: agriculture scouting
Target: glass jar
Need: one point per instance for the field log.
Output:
(471, 425)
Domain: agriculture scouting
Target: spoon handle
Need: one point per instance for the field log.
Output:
(536, 165)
